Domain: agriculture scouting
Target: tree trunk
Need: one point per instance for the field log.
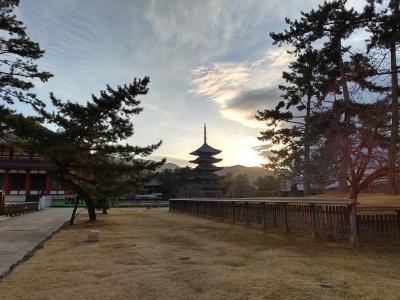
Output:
(354, 191)
(81, 193)
(306, 171)
(104, 202)
(71, 221)
(91, 209)
(344, 166)
(392, 159)
(378, 173)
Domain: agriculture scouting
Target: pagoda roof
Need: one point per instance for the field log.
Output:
(208, 168)
(211, 159)
(206, 149)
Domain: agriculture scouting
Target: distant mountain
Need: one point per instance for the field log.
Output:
(171, 160)
(169, 166)
(252, 172)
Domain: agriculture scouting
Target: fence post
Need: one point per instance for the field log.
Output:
(313, 216)
(285, 218)
(353, 223)
(398, 221)
(246, 211)
(1, 203)
(213, 210)
(264, 218)
(233, 212)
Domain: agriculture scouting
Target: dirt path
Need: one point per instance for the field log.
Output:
(153, 254)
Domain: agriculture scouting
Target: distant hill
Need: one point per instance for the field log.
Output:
(252, 172)
(169, 166)
(171, 161)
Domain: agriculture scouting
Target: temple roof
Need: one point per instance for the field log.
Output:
(33, 164)
(206, 149)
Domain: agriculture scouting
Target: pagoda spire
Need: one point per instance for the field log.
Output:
(205, 133)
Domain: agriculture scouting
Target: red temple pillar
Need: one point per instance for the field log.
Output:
(6, 184)
(27, 183)
(48, 185)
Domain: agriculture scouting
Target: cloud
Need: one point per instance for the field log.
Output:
(253, 99)
(240, 89)
(92, 43)
(208, 29)
(264, 150)
(202, 28)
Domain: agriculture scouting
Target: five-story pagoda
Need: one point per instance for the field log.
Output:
(206, 182)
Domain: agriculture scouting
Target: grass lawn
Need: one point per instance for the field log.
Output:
(367, 199)
(61, 203)
(154, 254)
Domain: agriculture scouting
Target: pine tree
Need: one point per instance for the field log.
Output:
(367, 139)
(18, 56)
(87, 149)
(294, 129)
(384, 26)
(327, 28)
(333, 22)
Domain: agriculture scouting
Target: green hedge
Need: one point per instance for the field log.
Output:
(61, 203)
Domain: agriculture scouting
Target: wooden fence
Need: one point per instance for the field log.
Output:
(140, 203)
(323, 219)
(15, 209)
(378, 222)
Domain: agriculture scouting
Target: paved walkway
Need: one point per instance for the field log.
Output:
(22, 234)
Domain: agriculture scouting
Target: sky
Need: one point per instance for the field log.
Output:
(209, 61)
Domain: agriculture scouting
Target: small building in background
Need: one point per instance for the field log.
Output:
(154, 187)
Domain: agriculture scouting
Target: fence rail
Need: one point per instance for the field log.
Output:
(141, 203)
(14, 209)
(322, 218)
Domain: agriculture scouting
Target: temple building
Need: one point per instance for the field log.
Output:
(205, 183)
(23, 175)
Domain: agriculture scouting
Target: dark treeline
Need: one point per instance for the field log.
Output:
(232, 186)
(338, 114)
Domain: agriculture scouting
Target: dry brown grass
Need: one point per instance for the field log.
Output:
(372, 199)
(367, 199)
(153, 254)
